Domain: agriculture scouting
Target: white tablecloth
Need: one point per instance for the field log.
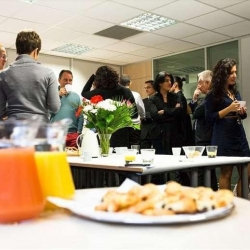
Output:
(61, 230)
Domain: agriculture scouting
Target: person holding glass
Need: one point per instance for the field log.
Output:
(223, 110)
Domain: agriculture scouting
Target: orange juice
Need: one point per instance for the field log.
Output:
(129, 157)
(20, 191)
(55, 174)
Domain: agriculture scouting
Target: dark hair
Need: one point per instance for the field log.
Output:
(125, 80)
(27, 41)
(106, 78)
(179, 81)
(63, 71)
(160, 78)
(221, 72)
(150, 81)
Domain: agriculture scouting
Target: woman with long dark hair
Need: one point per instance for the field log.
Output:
(224, 112)
(166, 112)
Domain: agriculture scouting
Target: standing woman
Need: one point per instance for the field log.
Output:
(166, 114)
(223, 110)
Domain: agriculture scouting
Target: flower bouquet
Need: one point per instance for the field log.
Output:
(106, 117)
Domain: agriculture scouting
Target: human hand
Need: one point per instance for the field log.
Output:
(234, 106)
(177, 105)
(196, 94)
(62, 91)
(242, 110)
(161, 112)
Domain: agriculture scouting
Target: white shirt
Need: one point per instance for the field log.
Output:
(140, 107)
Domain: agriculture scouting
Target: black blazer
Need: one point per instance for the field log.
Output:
(147, 124)
(171, 113)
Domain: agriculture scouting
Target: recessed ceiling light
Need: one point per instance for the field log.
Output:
(149, 22)
(28, 1)
(72, 49)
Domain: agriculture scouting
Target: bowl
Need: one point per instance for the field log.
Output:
(193, 151)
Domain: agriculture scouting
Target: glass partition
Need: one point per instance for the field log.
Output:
(190, 64)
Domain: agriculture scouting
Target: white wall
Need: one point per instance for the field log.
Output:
(82, 70)
(245, 79)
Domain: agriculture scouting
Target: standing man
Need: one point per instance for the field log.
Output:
(146, 123)
(26, 86)
(69, 104)
(134, 136)
(202, 128)
(3, 57)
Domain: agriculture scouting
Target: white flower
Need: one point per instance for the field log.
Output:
(93, 111)
(87, 108)
(106, 104)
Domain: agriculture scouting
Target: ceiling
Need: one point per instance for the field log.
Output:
(199, 23)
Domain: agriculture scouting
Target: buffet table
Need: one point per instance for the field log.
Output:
(163, 164)
(62, 230)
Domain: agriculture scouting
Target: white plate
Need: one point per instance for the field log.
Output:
(83, 205)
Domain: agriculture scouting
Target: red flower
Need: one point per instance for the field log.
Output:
(95, 99)
(79, 111)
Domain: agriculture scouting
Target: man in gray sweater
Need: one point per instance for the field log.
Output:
(26, 86)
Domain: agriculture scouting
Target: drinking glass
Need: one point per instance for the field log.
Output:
(147, 156)
(21, 195)
(211, 151)
(51, 160)
(130, 155)
(137, 147)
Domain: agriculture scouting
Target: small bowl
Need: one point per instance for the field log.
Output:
(193, 151)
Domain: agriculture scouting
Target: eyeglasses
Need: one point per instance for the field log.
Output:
(4, 57)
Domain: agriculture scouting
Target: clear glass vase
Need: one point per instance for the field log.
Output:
(104, 143)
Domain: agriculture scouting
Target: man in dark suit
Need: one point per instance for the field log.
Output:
(146, 123)
(203, 129)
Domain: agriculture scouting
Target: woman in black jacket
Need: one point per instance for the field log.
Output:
(166, 114)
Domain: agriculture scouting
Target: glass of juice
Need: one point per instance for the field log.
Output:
(130, 155)
(51, 161)
(21, 196)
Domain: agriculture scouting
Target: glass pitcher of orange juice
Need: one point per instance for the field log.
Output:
(51, 160)
(21, 196)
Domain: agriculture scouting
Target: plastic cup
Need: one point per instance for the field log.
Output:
(147, 156)
(176, 151)
(242, 103)
(211, 151)
(68, 88)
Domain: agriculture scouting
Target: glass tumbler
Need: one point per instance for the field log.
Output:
(51, 160)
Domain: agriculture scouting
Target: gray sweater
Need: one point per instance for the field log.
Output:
(27, 88)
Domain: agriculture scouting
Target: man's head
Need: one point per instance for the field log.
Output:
(125, 80)
(204, 81)
(149, 87)
(65, 77)
(3, 57)
(177, 84)
(28, 42)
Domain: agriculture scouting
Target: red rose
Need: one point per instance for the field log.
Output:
(95, 99)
